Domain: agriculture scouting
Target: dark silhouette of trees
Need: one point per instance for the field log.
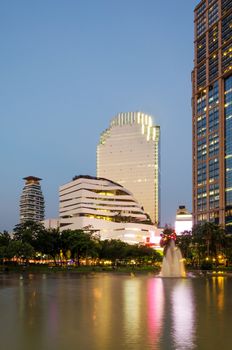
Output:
(206, 243)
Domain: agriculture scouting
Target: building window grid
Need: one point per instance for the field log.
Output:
(213, 67)
(214, 147)
(213, 94)
(201, 126)
(201, 218)
(213, 119)
(213, 39)
(227, 58)
(213, 14)
(201, 9)
(213, 188)
(201, 25)
(202, 204)
(211, 1)
(213, 144)
(226, 6)
(201, 149)
(201, 49)
(201, 103)
(201, 175)
(212, 107)
(228, 148)
(227, 28)
(201, 76)
(213, 170)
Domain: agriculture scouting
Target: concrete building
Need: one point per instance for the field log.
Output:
(32, 200)
(128, 153)
(212, 113)
(104, 206)
(51, 223)
(184, 220)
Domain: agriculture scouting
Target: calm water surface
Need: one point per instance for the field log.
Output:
(114, 312)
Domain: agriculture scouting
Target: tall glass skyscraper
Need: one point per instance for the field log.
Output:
(32, 200)
(212, 113)
(128, 153)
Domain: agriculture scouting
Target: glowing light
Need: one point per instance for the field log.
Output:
(183, 314)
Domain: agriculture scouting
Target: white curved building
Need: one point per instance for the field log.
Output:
(105, 206)
(128, 153)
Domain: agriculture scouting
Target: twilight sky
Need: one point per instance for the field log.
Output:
(67, 67)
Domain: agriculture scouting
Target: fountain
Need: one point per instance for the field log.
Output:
(172, 265)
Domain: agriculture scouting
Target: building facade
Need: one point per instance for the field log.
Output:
(51, 223)
(32, 200)
(212, 113)
(103, 206)
(128, 153)
(183, 220)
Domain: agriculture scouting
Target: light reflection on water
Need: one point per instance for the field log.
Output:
(183, 317)
(114, 312)
(155, 308)
(132, 300)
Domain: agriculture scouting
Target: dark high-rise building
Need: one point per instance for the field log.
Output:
(212, 113)
(32, 200)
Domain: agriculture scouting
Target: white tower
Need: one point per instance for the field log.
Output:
(128, 153)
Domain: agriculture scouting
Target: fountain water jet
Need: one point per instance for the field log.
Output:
(172, 265)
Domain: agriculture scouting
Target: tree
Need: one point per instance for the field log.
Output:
(113, 249)
(27, 232)
(145, 254)
(209, 238)
(184, 242)
(5, 240)
(22, 250)
(77, 244)
(84, 243)
(228, 248)
(48, 242)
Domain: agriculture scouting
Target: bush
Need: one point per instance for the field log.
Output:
(207, 265)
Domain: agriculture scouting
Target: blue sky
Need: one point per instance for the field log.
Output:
(67, 67)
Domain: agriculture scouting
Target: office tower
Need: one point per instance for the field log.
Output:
(212, 113)
(32, 200)
(128, 153)
(103, 206)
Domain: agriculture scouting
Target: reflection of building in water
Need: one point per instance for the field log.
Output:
(155, 309)
(183, 220)
(132, 309)
(183, 315)
(217, 289)
(102, 312)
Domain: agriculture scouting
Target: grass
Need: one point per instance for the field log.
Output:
(74, 269)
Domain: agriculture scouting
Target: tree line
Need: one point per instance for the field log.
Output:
(31, 240)
(206, 246)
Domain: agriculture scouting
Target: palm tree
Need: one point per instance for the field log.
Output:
(210, 237)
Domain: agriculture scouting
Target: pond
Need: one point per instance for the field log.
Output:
(110, 311)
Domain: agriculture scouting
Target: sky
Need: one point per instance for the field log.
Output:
(67, 67)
